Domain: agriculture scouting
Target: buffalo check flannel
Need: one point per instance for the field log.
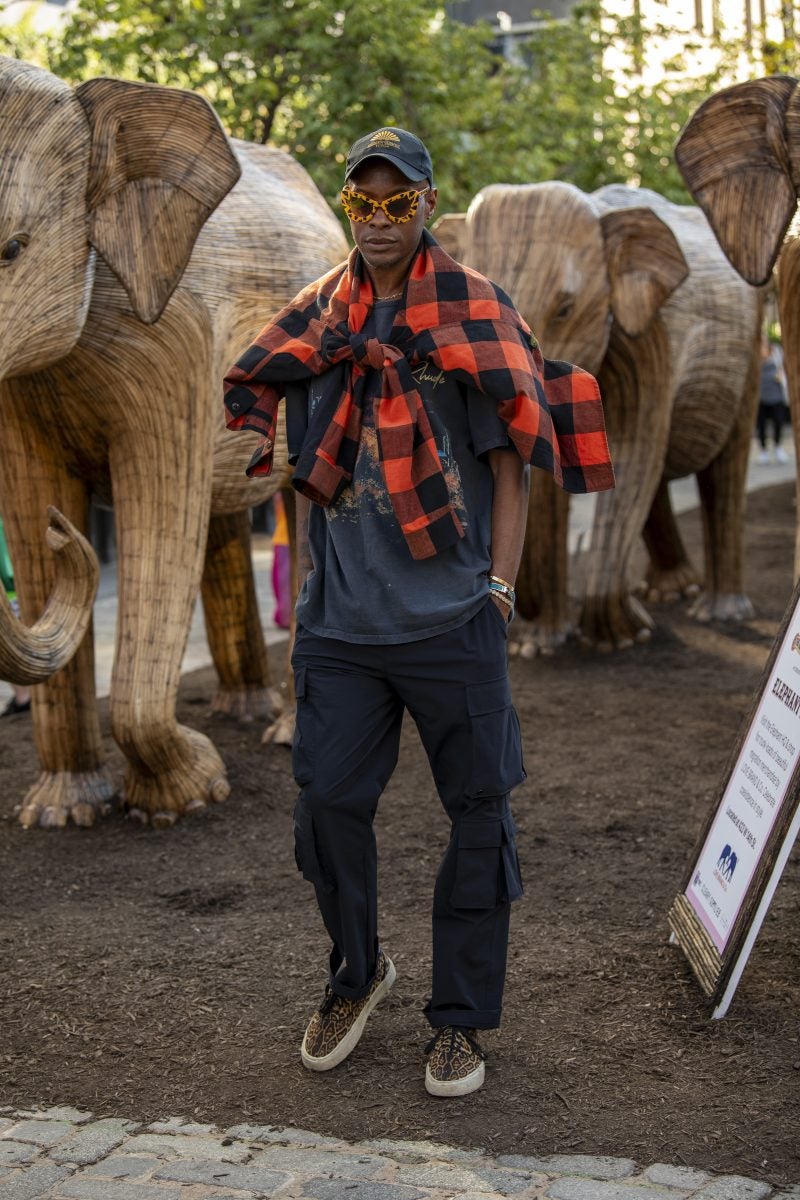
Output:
(462, 323)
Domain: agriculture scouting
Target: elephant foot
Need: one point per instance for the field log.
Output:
(530, 639)
(614, 623)
(669, 586)
(196, 780)
(721, 606)
(59, 797)
(281, 731)
(245, 704)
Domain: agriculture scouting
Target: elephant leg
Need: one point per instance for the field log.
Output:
(233, 622)
(542, 577)
(281, 731)
(635, 384)
(162, 490)
(670, 574)
(722, 487)
(71, 785)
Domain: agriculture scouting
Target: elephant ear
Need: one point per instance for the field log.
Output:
(734, 158)
(160, 165)
(645, 265)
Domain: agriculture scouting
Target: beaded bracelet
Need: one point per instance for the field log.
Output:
(504, 598)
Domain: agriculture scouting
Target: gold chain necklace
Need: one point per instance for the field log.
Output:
(394, 296)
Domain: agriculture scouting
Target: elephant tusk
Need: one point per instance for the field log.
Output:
(31, 654)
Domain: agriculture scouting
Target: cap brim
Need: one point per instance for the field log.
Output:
(406, 168)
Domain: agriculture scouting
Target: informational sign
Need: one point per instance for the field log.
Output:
(751, 830)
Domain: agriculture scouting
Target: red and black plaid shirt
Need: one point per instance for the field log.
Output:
(462, 323)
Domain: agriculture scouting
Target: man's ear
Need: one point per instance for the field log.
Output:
(430, 199)
(160, 164)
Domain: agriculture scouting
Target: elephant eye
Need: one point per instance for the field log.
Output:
(12, 249)
(564, 309)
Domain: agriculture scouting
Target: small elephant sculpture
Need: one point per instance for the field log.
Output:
(740, 157)
(31, 655)
(140, 250)
(634, 289)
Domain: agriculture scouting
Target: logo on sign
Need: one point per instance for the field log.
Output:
(726, 863)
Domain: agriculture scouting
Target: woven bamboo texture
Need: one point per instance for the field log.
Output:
(31, 655)
(449, 232)
(120, 316)
(740, 158)
(636, 290)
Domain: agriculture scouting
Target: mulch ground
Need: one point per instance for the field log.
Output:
(150, 974)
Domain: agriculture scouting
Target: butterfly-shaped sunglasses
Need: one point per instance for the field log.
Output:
(399, 208)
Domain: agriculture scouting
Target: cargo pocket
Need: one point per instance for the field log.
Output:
(487, 868)
(305, 848)
(301, 742)
(496, 742)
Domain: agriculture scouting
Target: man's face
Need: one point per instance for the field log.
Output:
(384, 245)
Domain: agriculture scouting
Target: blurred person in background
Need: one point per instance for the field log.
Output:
(773, 408)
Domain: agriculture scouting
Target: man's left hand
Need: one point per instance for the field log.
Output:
(503, 608)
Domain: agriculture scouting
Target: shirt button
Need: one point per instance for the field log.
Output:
(235, 406)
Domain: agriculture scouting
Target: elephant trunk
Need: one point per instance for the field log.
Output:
(32, 654)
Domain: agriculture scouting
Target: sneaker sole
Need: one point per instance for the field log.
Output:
(455, 1087)
(353, 1036)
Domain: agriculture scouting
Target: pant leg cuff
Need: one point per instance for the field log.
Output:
(462, 1017)
(347, 992)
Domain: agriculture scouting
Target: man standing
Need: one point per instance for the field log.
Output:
(415, 398)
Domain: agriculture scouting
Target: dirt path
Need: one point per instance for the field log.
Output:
(157, 974)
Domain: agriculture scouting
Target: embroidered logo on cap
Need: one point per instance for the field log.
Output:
(384, 137)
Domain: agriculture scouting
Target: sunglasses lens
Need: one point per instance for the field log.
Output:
(357, 207)
(400, 207)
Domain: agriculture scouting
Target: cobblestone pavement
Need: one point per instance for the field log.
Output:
(65, 1154)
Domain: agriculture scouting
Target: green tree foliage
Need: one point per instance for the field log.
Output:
(605, 121)
(312, 75)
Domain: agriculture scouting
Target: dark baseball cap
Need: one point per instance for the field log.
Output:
(397, 146)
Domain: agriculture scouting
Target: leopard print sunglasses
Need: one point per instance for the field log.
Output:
(399, 208)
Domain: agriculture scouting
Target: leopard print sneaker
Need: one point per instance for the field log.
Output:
(455, 1062)
(336, 1026)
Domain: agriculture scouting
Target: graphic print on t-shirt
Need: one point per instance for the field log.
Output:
(368, 493)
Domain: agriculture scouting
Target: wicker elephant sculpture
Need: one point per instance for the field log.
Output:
(740, 157)
(32, 654)
(636, 290)
(140, 250)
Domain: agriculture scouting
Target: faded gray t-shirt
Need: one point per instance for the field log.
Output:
(365, 586)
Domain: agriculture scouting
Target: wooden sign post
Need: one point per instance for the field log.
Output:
(751, 830)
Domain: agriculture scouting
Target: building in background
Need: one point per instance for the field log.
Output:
(750, 21)
(39, 16)
(746, 17)
(511, 20)
(695, 29)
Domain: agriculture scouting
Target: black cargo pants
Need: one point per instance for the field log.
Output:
(350, 703)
